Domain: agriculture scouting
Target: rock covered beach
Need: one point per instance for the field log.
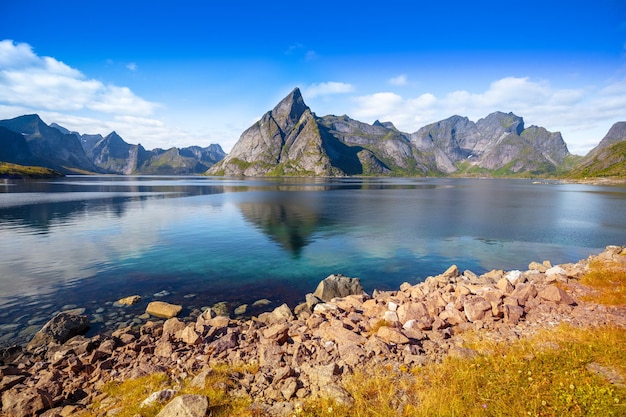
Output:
(300, 353)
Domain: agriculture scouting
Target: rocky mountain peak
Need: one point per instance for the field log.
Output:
(113, 137)
(289, 110)
(616, 133)
(498, 124)
(28, 124)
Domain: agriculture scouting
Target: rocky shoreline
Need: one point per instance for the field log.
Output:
(299, 353)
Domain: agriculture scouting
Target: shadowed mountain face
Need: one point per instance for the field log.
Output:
(50, 147)
(28, 140)
(290, 140)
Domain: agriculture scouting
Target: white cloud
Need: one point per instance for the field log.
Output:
(328, 88)
(400, 80)
(132, 66)
(44, 83)
(583, 115)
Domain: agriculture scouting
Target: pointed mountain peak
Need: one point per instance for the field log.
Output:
(114, 138)
(290, 109)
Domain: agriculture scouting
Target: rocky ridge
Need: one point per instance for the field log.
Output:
(291, 140)
(302, 352)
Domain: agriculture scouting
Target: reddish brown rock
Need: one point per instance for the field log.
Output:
(557, 295)
(476, 309)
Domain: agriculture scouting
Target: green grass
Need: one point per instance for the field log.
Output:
(8, 170)
(545, 376)
(608, 280)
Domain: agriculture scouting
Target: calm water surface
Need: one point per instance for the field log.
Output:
(87, 241)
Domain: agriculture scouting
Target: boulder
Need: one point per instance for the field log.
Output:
(280, 314)
(412, 311)
(476, 308)
(338, 286)
(555, 294)
(129, 301)
(163, 310)
(515, 277)
(171, 327)
(556, 273)
(536, 266)
(158, 397)
(392, 335)
(186, 406)
(189, 336)
(451, 272)
(59, 330)
(26, 403)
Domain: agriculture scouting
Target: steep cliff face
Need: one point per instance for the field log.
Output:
(14, 149)
(114, 155)
(53, 148)
(286, 141)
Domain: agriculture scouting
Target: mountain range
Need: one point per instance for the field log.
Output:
(28, 140)
(291, 140)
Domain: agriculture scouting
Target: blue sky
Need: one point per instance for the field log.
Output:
(197, 72)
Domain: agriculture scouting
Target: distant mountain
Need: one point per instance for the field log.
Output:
(498, 143)
(116, 156)
(291, 140)
(608, 159)
(14, 149)
(50, 147)
(27, 140)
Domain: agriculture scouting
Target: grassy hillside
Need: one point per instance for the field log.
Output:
(609, 162)
(8, 170)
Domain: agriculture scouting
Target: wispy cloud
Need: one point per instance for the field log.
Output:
(399, 80)
(328, 88)
(131, 66)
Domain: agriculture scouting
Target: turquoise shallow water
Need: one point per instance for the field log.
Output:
(88, 241)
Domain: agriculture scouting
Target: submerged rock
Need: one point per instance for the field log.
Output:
(163, 310)
(129, 301)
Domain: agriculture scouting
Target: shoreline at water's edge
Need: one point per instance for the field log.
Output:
(304, 352)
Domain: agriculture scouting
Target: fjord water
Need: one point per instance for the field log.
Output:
(87, 241)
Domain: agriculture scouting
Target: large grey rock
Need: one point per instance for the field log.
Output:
(186, 406)
(60, 329)
(335, 286)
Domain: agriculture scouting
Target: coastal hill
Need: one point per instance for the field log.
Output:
(291, 140)
(608, 159)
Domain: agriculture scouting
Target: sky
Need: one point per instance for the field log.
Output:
(188, 73)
